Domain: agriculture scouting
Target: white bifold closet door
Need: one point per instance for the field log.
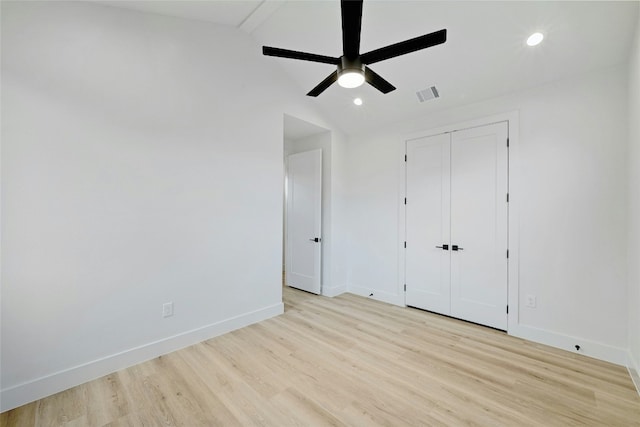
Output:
(456, 224)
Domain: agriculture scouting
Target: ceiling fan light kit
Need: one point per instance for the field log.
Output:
(351, 68)
(350, 73)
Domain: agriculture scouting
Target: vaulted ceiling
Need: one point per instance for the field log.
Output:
(485, 55)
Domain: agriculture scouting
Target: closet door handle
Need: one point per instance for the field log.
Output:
(456, 248)
(443, 247)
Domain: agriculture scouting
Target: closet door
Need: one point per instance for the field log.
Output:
(479, 225)
(427, 224)
(456, 224)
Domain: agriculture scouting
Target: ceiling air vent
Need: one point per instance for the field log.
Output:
(427, 94)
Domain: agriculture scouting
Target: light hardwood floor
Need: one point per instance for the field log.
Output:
(351, 361)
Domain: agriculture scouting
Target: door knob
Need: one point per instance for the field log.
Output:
(315, 239)
(456, 248)
(443, 247)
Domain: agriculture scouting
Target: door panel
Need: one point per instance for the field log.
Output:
(304, 210)
(478, 225)
(427, 222)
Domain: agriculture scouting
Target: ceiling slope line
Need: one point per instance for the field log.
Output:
(260, 14)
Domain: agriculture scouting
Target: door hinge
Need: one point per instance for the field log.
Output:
(405, 287)
(405, 157)
(507, 309)
(405, 244)
(507, 142)
(405, 200)
(507, 197)
(507, 253)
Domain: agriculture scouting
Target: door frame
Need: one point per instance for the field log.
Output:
(512, 119)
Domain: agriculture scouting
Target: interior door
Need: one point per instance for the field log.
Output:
(304, 220)
(456, 224)
(427, 224)
(479, 224)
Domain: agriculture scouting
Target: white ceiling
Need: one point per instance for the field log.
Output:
(223, 12)
(485, 54)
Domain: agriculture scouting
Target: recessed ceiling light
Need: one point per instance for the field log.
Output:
(357, 101)
(535, 39)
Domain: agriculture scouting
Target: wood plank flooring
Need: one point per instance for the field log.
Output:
(350, 361)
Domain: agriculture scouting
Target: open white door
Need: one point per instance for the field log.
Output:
(303, 221)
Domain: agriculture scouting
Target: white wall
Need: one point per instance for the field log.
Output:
(571, 196)
(634, 208)
(339, 213)
(141, 157)
(372, 242)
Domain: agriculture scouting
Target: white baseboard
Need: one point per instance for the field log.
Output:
(608, 353)
(24, 393)
(634, 370)
(593, 349)
(377, 295)
(334, 291)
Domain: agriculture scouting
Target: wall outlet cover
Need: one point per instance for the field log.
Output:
(167, 309)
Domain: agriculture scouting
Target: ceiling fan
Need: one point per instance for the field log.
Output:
(352, 67)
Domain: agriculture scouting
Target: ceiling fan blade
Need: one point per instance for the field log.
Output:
(404, 47)
(294, 54)
(376, 81)
(351, 25)
(331, 79)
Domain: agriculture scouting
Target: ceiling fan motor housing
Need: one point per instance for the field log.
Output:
(351, 72)
(347, 65)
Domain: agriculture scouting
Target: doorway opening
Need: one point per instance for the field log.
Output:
(306, 197)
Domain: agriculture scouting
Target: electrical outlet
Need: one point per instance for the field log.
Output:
(530, 301)
(167, 309)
